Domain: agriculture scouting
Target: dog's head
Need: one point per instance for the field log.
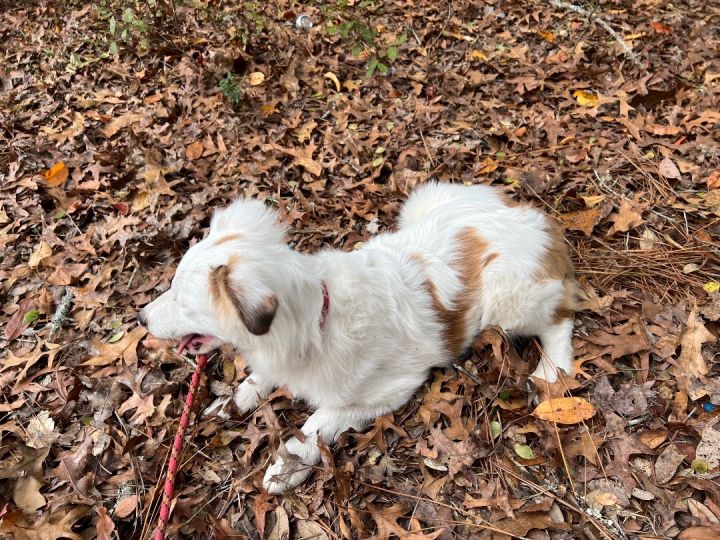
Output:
(222, 291)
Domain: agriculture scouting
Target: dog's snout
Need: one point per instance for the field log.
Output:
(142, 321)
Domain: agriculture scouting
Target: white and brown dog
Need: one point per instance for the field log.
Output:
(355, 334)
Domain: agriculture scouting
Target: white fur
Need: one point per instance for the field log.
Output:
(382, 335)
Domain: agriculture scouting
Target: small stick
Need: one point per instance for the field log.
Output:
(169, 488)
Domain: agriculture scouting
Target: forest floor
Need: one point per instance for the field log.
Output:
(123, 124)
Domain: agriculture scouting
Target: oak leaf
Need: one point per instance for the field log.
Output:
(627, 218)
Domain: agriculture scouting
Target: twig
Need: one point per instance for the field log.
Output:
(582, 11)
(61, 313)
(169, 488)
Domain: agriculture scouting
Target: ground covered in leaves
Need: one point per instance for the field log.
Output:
(122, 125)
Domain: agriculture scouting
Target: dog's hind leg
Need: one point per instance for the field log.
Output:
(295, 459)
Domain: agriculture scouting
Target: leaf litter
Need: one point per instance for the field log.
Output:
(124, 123)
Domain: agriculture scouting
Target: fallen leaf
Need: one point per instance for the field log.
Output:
(586, 99)
(126, 506)
(42, 252)
(627, 217)
(16, 324)
(26, 494)
(709, 447)
(122, 122)
(653, 438)
(41, 431)
(582, 220)
(713, 181)
(691, 362)
(524, 451)
(660, 28)
(104, 524)
(256, 78)
(478, 55)
(567, 410)
(668, 169)
(712, 287)
(667, 463)
(194, 150)
(330, 75)
(56, 175)
(700, 533)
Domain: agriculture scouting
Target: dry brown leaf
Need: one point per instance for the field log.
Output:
(668, 169)
(26, 494)
(713, 180)
(122, 122)
(691, 362)
(653, 438)
(125, 348)
(583, 220)
(194, 150)
(700, 533)
(627, 217)
(126, 506)
(42, 252)
(660, 28)
(566, 410)
(709, 447)
(104, 524)
(667, 463)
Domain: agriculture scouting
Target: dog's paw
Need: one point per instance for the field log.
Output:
(221, 408)
(285, 474)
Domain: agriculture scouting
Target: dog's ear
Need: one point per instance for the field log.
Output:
(256, 316)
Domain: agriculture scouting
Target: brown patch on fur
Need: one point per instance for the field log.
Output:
(557, 265)
(229, 301)
(227, 238)
(469, 265)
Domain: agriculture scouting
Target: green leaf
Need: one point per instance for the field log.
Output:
(30, 316)
(500, 155)
(402, 38)
(60, 214)
(356, 50)
(495, 429)
(392, 53)
(382, 68)
(113, 48)
(372, 66)
(524, 451)
(116, 337)
(113, 26)
(124, 35)
(378, 161)
(699, 466)
(505, 395)
(128, 15)
(332, 30)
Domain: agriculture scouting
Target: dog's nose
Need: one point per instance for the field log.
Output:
(141, 319)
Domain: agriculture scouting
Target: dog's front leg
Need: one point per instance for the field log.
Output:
(295, 459)
(245, 398)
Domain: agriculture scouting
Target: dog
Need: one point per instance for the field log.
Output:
(355, 334)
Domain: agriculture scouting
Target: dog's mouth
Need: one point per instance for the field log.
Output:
(198, 344)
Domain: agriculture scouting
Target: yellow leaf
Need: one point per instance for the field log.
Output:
(330, 75)
(586, 99)
(606, 499)
(488, 165)
(712, 287)
(56, 174)
(567, 410)
(547, 36)
(256, 78)
(477, 55)
(633, 37)
(267, 109)
(592, 200)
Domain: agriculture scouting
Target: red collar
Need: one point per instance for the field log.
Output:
(326, 304)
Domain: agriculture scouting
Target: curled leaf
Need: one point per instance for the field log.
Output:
(586, 99)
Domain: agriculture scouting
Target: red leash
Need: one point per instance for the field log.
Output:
(169, 488)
